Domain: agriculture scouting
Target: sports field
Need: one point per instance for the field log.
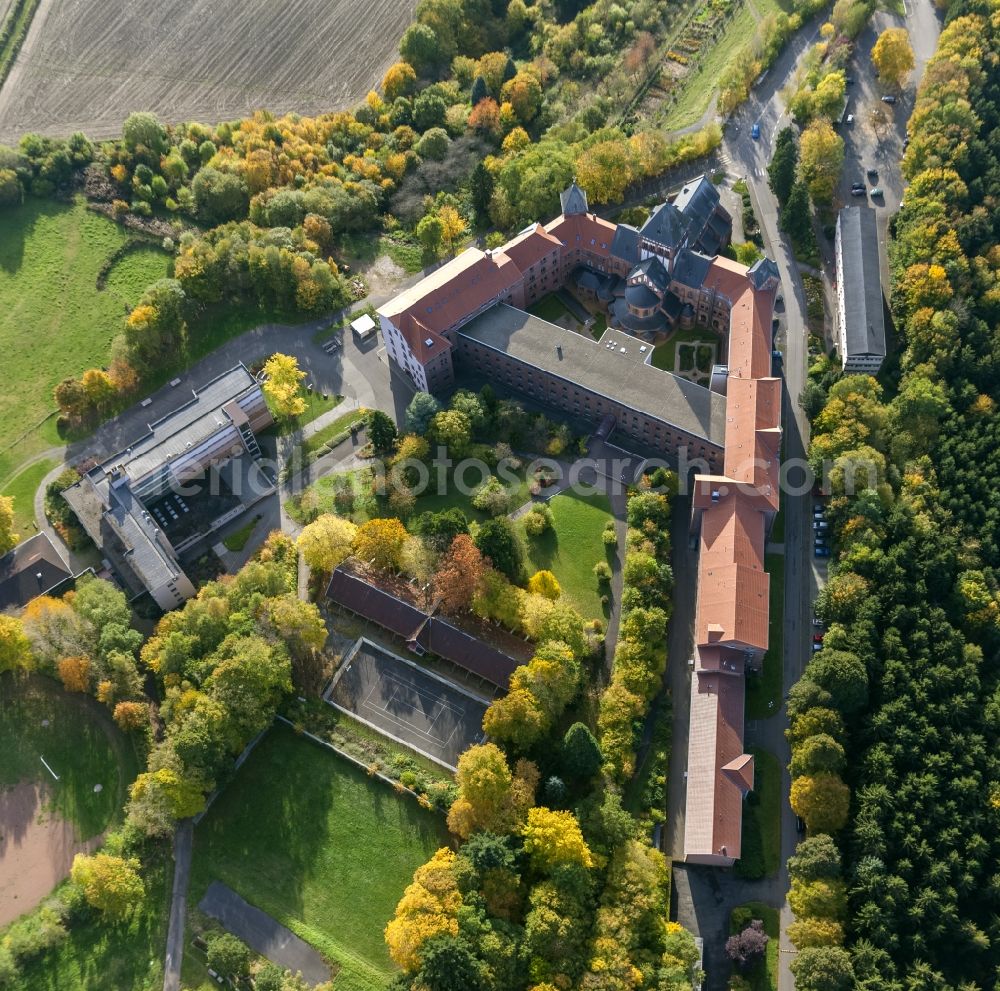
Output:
(46, 816)
(319, 846)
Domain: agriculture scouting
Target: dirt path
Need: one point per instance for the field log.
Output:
(36, 849)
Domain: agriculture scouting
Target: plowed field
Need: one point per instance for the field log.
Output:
(87, 64)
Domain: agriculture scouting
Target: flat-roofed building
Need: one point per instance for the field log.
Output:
(860, 308)
(114, 499)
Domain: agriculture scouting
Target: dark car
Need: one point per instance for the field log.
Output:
(755, 132)
(888, 99)
(858, 191)
(800, 826)
(822, 551)
(906, 144)
(872, 174)
(849, 80)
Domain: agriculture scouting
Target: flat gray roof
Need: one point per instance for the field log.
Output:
(864, 321)
(601, 370)
(188, 425)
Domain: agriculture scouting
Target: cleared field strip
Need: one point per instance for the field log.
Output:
(86, 64)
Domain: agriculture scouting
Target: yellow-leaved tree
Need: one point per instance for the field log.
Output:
(111, 884)
(380, 542)
(892, 56)
(327, 541)
(552, 838)
(429, 907)
(281, 387)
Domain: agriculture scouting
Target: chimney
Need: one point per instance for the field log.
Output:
(559, 351)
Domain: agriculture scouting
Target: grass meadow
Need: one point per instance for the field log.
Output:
(21, 488)
(761, 854)
(571, 548)
(315, 843)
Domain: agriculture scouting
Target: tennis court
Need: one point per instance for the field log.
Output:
(408, 703)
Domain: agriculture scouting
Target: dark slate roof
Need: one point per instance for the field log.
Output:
(433, 634)
(573, 200)
(625, 244)
(864, 323)
(762, 270)
(697, 201)
(653, 269)
(641, 296)
(665, 226)
(31, 568)
(671, 305)
(690, 268)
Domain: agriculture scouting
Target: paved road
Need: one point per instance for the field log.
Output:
(183, 842)
(262, 933)
(746, 157)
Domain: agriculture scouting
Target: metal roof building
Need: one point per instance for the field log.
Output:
(860, 309)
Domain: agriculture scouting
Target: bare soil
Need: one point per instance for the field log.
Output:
(36, 849)
(86, 64)
(383, 276)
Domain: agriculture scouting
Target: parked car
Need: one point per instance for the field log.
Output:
(888, 99)
(800, 826)
(779, 302)
(876, 191)
(817, 622)
(755, 132)
(819, 513)
(817, 647)
(872, 174)
(849, 80)
(850, 119)
(858, 191)
(822, 551)
(817, 638)
(820, 524)
(906, 144)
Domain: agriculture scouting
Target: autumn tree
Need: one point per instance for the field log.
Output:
(605, 171)
(379, 542)
(821, 156)
(748, 947)
(429, 907)
(892, 56)
(111, 884)
(7, 536)
(552, 838)
(399, 80)
(491, 796)
(75, 673)
(459, 574)
(544, 583)
(327, 542)
(822, 800)
(15, 648)
(131, 715)
(282, 382)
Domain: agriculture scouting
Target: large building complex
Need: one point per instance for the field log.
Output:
(649, 280)
(860, 312)
(190, 473)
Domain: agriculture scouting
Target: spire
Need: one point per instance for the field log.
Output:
(573, 200)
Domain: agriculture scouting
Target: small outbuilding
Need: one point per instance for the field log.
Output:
(363, 327)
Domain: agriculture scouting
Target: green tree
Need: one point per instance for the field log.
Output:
(796, 216)
(419, 47)
(228, 955)
(11, 193)
(817, 754)
(219, 196)
(815, 857)
(497, 541)
(144, 130)
(422, 409)
(381, 431)
(823, 968)
(781, 171)
(447, 963)
(843, 675)
(580, 756)
(451, 427)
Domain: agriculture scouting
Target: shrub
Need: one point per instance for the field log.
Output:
(602, 571)
(228, 955)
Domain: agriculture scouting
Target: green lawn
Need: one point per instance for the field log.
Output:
(698, 90)
(21, 488)
(318, 845)
(235, 542)
(448, 495)
(98, 956)
(550, 308)
(80, 743)
(316, 405)
(663, 354)
(762, 978)
(53, 320)
(572, 547)
(311, 445)
(764, 690)
(761, 854)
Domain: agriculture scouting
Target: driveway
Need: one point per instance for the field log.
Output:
(262, 933)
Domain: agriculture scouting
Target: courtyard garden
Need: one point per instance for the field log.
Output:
(690, 353)
(763, 974)
(571, 547)
(554, 310)
(764, 689)
(761, 854)
(321, 847)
